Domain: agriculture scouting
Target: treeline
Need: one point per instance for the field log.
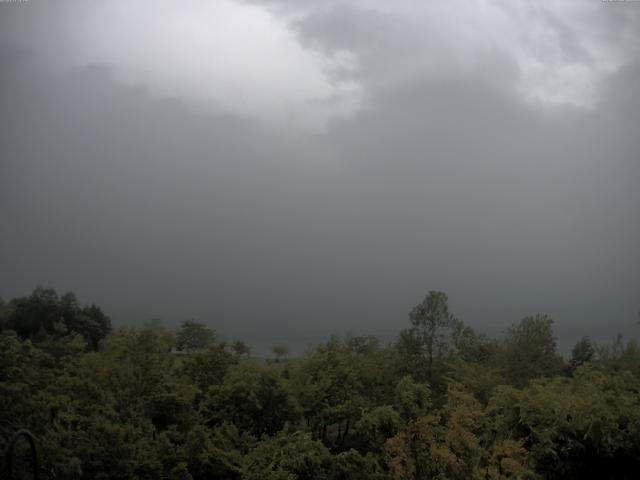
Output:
(440, 402)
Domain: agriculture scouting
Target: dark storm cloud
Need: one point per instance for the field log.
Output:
(445, 179)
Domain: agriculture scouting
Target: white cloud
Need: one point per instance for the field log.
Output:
(221, 55)
(247, 59)
(564, 49)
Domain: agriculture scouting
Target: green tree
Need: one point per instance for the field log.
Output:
(581, 427)
(135, 363)
(430, 335)
(353, 465)
(376, 426)
(473, 347)
(208, 367)
(582, 352)
(217, 452)
(289, 456)
(412, 399)
(328, 385)
(90, 322)
(454, 443)
(480, 378)
(34, 316)
(252, 397)
(192, 335)
(44, 314)
(530, 351)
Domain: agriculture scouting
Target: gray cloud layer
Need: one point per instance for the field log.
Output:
(448, 177)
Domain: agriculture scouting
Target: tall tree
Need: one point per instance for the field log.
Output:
(44, 314)
(431, 328)
(192, 335)
(530, 351)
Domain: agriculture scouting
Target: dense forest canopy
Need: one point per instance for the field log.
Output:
(442, 401)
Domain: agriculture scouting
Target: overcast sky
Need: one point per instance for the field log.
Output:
(287, 169)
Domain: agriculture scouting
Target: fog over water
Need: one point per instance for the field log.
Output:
(284, 170)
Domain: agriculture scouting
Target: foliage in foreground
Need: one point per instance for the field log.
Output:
(441, 402)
